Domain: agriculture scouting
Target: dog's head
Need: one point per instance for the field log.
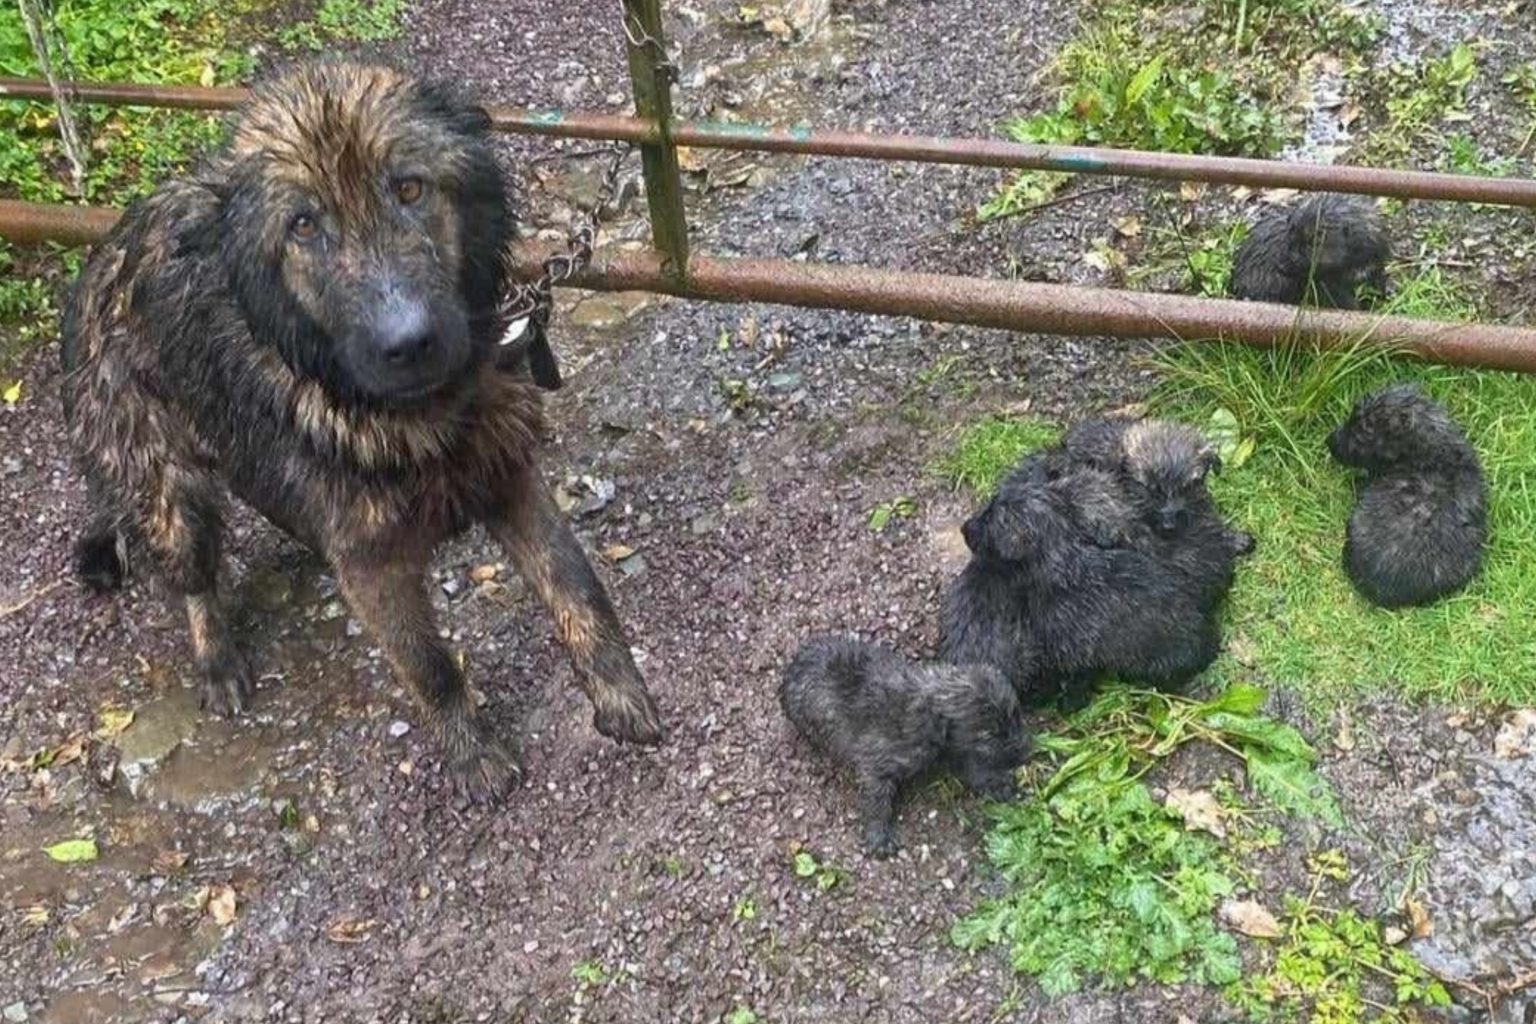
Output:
(988, 737)
(1396, 428)
(1164, 466)
(364, 226)
(1335, 234)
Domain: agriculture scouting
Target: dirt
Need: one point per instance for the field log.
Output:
(745, 448)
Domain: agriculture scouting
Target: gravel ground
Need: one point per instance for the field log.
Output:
(308, 864)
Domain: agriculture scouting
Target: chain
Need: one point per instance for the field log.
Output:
(639, 38)
(534, 300)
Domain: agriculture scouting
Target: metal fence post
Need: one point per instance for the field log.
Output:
(651, 74)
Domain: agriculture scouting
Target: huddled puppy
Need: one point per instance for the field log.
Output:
(1103, 555)
(891, 720)
(1321, 252)
(1421, 517)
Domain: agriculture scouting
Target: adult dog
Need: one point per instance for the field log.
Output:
(307, 321)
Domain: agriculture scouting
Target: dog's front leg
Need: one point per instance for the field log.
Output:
(385, 590)
(547, 555)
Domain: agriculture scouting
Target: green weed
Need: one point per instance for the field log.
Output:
(1104, 881)
(1418, 99)
(340, 21)
(1333, 967)
(898, 508)
(825, 876)
(1212, 77)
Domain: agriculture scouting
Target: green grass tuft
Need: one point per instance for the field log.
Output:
(987, 450)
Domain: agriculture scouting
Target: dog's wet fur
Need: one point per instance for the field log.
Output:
(1322, 252)
(1103, 555)
(891, 720)
(307, 320)
(1420, 522)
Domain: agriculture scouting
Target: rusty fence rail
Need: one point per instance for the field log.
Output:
(1054, 309)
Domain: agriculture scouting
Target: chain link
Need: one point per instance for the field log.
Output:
(534, 300)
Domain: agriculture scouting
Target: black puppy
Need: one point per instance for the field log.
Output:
(1421, 519)
(1321, 251)
(891, 720)
(1103, 555)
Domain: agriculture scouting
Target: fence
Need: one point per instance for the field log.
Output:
(1022, 306)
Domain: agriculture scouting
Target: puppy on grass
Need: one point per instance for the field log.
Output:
(1104, 555)
(892, 720)
(1421, 518)
(1321, 252)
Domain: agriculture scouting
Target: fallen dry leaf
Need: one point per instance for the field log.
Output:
(689, 159)
(222, 904)
(1517, 736)
(618, 552)
(1199, 810)
(112, 722)
(483, 573)
(1423, 927)
(1344, 739)
(1189, 191)
(1250, 918)
(168, 861)
(35, 916)
(1129, 227)
(350, 930)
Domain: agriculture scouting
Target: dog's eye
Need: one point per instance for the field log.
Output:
(409, 191)
(304, 227)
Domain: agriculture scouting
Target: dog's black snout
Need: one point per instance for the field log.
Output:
(1170, 520)
(405, 333)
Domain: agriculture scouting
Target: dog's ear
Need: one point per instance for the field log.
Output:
(452, 105)
(975, 529)
(1209, 462)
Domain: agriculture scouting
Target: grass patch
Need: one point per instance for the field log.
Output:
(1216, 76)
(1293, 618)
(986, 451)
(1418, 100)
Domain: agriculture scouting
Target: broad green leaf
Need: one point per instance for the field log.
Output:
(73, 851)
(12, 394)
(1143, 80)
(1238, 699)
(1292, 785)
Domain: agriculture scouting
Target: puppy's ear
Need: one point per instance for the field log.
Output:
(1209, 462)
(975, 529)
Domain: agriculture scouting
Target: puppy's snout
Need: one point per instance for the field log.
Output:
(1170, 519)
(403, 332)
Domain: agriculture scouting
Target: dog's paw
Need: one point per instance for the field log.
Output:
(228, 685)
(628, 714)
(481, 768)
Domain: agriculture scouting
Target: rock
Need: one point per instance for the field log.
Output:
(158, 728)
(16, 1013)
(398, 729)
(703, 524)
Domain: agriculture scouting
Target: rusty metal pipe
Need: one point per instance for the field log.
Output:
(1009, 305)
(916, 148)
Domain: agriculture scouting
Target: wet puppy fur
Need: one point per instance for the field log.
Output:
(1420, 521)
(1103, 555)
(308, 320)
(1321, 252)
(891, 720)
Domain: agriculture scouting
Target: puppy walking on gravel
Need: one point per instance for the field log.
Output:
(891, 720)
(308, 320)
(1321, 252)
(1421, 517)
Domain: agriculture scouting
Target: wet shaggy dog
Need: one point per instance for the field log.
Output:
(1104, 555)
(891, 720)
(1321, 252)
(1421, 516)
(308, 321)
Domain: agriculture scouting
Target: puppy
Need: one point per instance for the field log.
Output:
(891, 720)
(1421, 518)
(1321, 251)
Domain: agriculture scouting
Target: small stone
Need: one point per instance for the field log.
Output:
(333, 610)
(633, 566)
(531, 946)
(841, 186)
(451, 587)
(704, 524)
(1394, 935)
(16, 1013)
(13, 466)
(483, 573)
(783, 381)
(354, 628)
(398, 729)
